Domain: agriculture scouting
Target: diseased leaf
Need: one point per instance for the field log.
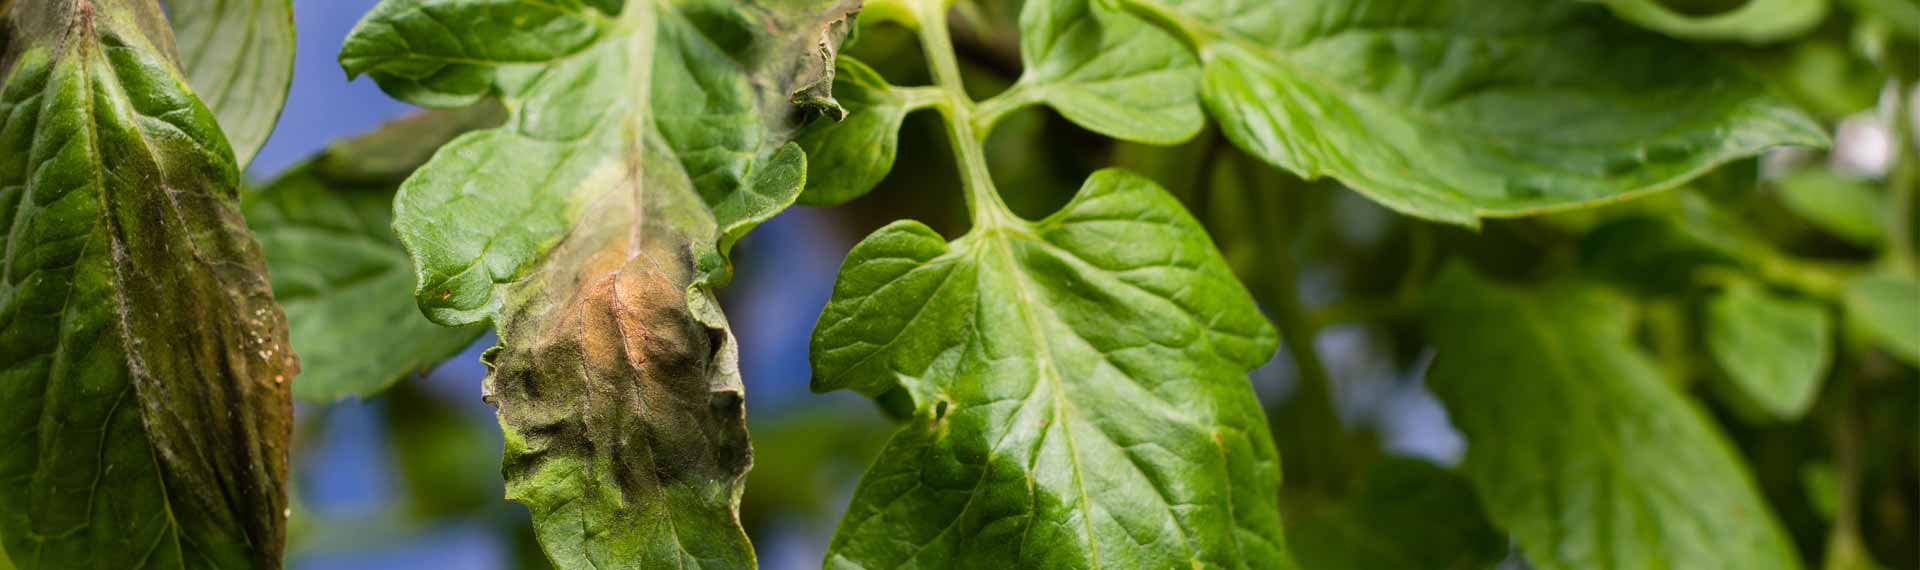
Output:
(339, 270)
(847, 158)
(1886, 306)
(1108, 71)
(1775, 349)
(1453, 110)
(238, 55)
(1753, 21)
(1845, 207)
(590, 229)
(1079, 392)
(1577, 445)
(1407, 513)
(143, 364)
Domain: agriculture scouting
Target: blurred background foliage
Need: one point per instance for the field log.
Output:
(411, 479)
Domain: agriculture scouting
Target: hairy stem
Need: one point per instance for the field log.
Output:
(983, 201)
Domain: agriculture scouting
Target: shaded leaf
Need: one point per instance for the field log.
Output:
(1886, 306)
(1753, 21)
(590, 229)
(1577, 445)
(1406, 513)
(238, 55)
(338, 269)
(1108, 71)
(847, 158)
(1775, 349)
(1845, 207)
(1453, 110)
(1079, 393)
(143, 364)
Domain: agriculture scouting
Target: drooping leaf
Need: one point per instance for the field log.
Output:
(1453, 110)
(1845, 207)
(339, 270)
(1407, 513)
(238, 55)
(1886, 306)
(143, 363)
(1775, 349)
(847, 158)
(1108, 71)
(1577, 445)
(1753, 21)
(1079, 393)
(642, 140)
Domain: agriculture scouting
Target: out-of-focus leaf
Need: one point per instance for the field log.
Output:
(1453, 110)
(437, 449)
(143, 363)
(1079, 393)
(1577, 445)
(643, 139)
(1648, 255)
(238, 55)
(1775, 349)
(1845, 207)
(847, 158)
(1886, 306)
(1406, 513)
(1754, 21)
(338, 269)
(1109, 72)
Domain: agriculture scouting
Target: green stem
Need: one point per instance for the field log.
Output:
(1902, 183)
(983, 201)
(1845, 550)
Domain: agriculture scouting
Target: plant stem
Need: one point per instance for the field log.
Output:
(1845, 550)
(983, 201)
(1901, 183)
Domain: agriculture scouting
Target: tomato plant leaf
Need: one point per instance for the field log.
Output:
(1109, 72)
(1775, 349)
(1453, 110)
(1080, 393)
(1754, 21)
(641, 142)
(143, 363)
(1407, 513)
(338, 269)
(238, 55)
(1886, 305)
(1847, 208)
(1577, 444)
(847, 158)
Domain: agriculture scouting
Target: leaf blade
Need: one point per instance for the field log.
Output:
(238, 56)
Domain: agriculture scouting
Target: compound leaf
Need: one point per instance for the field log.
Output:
(1577, 444)
(338, 269)
(1108, 71)
(847, 158)
(1453, 110)
(143, 363)
(1079, 392)
(238, 55)
(1775, 349)
(642, 140)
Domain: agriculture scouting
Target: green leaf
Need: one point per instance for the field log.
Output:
(847, 158)
(338, 269)
(1079, 389)
(1453, 110)
(143, 363)
(238, 55)
(1845, 207)
(1775, 349)
(590, 230)
(1108, 71)
(1578, 446)
(1753, 21)
(1406, 513)
(1886, 306)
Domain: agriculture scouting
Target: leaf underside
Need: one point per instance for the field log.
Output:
(143, 363)
(238, 55)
